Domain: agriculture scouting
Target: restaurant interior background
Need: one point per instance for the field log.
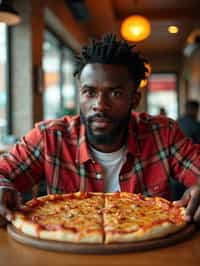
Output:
(37, 56)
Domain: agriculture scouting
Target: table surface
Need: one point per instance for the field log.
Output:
(186, 253)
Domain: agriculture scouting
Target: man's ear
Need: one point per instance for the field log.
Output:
(136, 98)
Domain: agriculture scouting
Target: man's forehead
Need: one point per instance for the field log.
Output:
(105, 72)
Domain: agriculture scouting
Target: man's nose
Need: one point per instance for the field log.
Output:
(101, 103)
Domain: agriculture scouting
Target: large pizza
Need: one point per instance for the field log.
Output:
(99, 217)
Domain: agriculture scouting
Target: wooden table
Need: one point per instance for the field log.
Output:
(186, 253)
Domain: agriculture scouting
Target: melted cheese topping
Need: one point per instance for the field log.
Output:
(99, 215)
(70, 213)
(131, 213)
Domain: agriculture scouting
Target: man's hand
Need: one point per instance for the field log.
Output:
(9, 201)
(191, 199)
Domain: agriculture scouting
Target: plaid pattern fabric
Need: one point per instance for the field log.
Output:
(57, 151)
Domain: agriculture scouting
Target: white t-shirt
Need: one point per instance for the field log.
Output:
(111, 164)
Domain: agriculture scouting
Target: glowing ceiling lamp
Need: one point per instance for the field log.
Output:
(173, 29)
(135, 28)
(8, 14)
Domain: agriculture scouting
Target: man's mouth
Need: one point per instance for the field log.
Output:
(100, 122)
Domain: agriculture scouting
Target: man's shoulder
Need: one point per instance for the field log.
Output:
(146, 120)
(60, 124)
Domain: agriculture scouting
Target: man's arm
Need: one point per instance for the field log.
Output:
(185, 165)
(20, 170)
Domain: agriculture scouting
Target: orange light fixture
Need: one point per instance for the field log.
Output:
(8, 14)
(135, 28)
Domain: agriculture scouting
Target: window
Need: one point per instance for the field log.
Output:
(69, 90)
(162, 94)
(3, 79)
(60, 91)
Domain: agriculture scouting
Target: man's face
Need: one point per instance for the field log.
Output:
(106, 99)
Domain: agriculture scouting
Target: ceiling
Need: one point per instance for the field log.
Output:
(106, 16)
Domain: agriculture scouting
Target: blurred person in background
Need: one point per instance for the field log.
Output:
(162, 111)
(189, 123)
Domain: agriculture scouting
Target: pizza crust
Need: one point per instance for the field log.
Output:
(141, 235)
(62, 235)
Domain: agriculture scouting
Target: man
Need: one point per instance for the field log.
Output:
(188, 123)
(106, 148)
(162, 111)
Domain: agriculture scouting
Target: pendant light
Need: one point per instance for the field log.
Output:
(8, 14)
(135, 28)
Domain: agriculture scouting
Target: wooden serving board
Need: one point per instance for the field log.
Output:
(100, 248)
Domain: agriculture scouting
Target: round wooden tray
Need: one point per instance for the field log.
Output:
(100, 248)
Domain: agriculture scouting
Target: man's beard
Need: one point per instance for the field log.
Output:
(119, 126)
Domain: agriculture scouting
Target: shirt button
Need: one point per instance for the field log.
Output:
(98, 176)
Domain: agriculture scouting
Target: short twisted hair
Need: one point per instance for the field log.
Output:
(109, 50)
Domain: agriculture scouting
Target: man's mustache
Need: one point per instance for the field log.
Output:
(99, 115)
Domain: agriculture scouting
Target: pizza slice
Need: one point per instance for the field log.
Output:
(132, 217)
(69, 217)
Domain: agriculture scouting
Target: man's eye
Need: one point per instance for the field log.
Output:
(116, 93)
(89, 93)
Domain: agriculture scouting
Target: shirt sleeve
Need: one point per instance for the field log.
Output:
(184, 157)
(22, 167)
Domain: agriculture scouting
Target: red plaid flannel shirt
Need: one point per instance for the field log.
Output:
(57, 151)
